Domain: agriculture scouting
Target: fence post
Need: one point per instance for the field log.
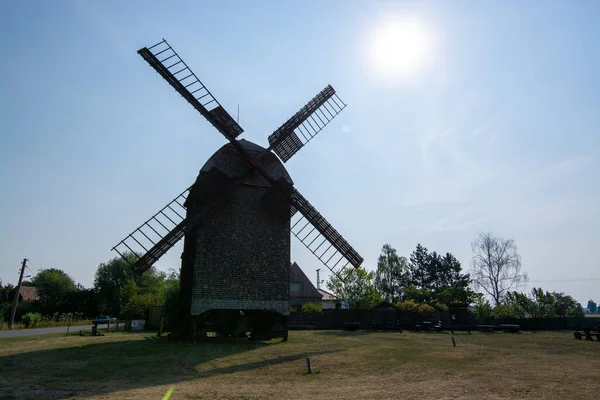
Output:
(160, 331)
(68, 326)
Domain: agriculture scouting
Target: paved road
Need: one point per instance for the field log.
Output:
(45, 331)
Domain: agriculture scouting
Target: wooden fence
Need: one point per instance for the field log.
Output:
(382, 319)
(391, 318)
(546, 324)
(368, 319)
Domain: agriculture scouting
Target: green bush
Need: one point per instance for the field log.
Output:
(5, 309)
(30, 320)
(312, 307)
(412, 305)
(137, 307)
(483, 308)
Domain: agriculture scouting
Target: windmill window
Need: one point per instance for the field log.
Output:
(294, 287)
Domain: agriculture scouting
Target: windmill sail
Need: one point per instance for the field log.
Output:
(164, 229)
(160, 233)
(157, 235)
(303, 126)
(313, 230)
(170, 66)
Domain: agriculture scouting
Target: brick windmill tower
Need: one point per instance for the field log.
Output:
(237, 217)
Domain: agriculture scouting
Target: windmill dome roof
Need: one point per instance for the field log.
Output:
(249, 146)
(229, 161)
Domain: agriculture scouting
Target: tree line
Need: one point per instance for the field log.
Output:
(424, 278)
(117, 291)
(491, 285)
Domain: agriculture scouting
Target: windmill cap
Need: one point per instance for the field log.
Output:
(229, 161)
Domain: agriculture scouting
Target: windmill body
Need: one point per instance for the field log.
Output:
(237, 217)
(239, 254)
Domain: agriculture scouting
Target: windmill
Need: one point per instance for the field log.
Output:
(237, 216)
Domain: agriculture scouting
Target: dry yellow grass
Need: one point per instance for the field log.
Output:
(348, 365)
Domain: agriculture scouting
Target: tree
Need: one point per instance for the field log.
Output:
(110, 277)
(433, 277)
(6, 297)
(121, 292)
(496, 266)
(566, 306)
(355, 286)
(591, 306)
(390, 277)
(419, 267)
(85, 302)
(539, 304)
(448, 283)
(483, 308)
(6, 293)
(54, 287)
(153, 288)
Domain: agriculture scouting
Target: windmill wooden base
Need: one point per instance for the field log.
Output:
(230, 325)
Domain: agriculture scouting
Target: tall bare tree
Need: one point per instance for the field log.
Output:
(496, 266)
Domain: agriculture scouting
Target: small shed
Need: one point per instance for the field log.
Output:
(434, 317)
(386, 315)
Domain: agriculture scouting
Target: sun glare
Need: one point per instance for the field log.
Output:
(401, 48)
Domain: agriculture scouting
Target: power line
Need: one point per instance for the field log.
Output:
(32, 266)
(566, 280)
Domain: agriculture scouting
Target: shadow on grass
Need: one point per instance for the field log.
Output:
(100, 368)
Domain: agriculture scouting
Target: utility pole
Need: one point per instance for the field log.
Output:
(16, 299)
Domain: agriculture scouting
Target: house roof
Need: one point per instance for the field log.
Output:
(326, 295)
(307, 287)
(29, 293)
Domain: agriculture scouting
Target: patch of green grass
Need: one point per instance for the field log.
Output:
(45, 324)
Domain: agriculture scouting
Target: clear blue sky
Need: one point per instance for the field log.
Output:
(499, 131)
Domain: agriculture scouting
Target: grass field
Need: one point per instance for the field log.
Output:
(347, 365)
(45, 324)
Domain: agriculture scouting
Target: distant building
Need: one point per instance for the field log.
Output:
(301, 288)
(28, 294)
(329, 299)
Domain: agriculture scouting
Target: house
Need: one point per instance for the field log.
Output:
(301, 288)
(329, 300)
(28, 294)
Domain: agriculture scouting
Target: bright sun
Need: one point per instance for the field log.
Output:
(401, 48)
